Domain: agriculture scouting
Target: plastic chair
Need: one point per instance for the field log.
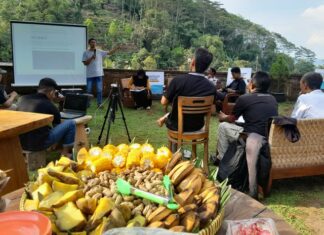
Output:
(193, 105)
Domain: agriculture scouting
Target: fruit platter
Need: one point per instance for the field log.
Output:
(127, 186)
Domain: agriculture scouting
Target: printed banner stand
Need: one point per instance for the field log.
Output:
(156, 82)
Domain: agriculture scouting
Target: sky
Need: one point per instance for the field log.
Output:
(299, 21)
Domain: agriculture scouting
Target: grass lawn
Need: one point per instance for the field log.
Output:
(300, 201)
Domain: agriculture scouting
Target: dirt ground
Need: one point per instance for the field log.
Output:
(313, 214)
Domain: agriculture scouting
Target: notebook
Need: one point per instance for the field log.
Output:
(75, 105)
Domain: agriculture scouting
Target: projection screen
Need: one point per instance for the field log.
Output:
(48, 50)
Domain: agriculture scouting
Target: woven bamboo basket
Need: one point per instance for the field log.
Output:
(213, 227)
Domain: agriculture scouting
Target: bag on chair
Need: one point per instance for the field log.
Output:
(234, 166)
(264, 165)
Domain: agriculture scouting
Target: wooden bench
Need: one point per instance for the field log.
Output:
(303, 158)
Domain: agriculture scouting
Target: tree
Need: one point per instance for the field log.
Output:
(149, 63)
(305, 54)
(214, 45)
(280, 71)
(304, 66)
(169, 31)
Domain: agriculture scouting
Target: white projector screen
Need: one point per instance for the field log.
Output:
(48, 50)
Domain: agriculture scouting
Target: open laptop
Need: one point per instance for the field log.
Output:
(75, 105)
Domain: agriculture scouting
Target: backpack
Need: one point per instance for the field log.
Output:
(234, 166)
(264, 165)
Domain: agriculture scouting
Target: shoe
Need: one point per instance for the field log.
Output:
(148, 107)
(100, 106)
(254, 195)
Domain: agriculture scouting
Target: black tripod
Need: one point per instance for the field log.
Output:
(114, 100)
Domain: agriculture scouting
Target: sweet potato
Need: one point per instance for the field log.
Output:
(69, 197)
(105, 206)
(67, 178)
(47, 203)
(69, 217)
(87, 205)
(59, 186)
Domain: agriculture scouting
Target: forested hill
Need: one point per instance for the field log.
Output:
(162, 33)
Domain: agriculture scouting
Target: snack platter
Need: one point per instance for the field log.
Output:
(126, 186)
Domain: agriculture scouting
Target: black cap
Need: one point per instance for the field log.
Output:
(47, 83)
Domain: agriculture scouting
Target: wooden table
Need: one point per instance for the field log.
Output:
(12, 124)
(239, 207)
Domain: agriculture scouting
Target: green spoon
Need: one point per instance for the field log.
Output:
(125, 188)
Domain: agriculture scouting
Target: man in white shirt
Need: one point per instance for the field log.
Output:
(92, 58)
(310, 104)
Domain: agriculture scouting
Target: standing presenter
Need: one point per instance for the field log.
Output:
(92, 58)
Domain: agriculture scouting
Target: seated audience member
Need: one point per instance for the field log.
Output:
(193, 85)
(44, 137)
(7, 101)
(140, 87)
(237, 86)
(211, 75)
(256, 108)
(310, 103)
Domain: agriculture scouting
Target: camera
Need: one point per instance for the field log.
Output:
(58, 94)
(114, 88)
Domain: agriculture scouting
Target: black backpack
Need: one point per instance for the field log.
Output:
(234, 166)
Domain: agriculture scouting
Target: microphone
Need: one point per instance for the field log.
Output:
(94, 52)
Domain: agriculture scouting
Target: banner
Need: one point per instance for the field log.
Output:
(156, 82)
(321, 71)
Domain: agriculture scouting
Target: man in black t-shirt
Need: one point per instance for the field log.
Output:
(44, 137)
(193, 85)
(237, 86)
(256, 108)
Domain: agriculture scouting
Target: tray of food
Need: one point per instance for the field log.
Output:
(127, 186)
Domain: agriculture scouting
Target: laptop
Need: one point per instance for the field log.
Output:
(75, 105)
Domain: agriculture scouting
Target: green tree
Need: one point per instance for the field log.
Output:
(149, 63)
(280, 71)
(215, 45)
(304, 66)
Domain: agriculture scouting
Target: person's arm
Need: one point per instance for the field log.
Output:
(148, 85)
(238, 110)
(164, 100)
(299, 109)
(113, 50)
(222, 117)
(131, 83)
(86, 61)
(56, 113)
(12, 97)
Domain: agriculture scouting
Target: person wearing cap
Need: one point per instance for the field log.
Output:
(44, 137)
(7, 100)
